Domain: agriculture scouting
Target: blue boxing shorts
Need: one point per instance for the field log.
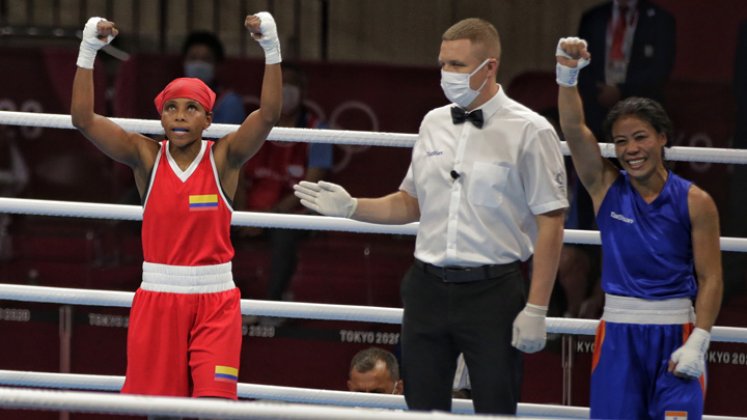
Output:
(633, 344)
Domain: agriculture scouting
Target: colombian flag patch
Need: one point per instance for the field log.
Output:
(203, 202)
(226, 374)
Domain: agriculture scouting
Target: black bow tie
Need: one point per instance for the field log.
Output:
(459, 116)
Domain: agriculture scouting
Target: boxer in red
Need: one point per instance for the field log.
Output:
(184, 336)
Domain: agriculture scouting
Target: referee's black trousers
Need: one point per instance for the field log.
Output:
(441, 320)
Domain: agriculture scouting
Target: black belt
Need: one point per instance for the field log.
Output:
(467, 274)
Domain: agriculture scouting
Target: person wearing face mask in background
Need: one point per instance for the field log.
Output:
(268, 182)
(203, 54)
(487, 182)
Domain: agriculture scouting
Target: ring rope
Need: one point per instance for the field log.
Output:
(91, 297)
(350, 137)
(308, 135)
(329, 312)
(270, 220)
(112, 383)
(89, 402)
(240, 218)
(360, 400)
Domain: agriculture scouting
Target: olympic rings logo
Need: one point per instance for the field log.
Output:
(29, 105)
(341, 113)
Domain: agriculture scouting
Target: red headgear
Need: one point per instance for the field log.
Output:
(186, 87)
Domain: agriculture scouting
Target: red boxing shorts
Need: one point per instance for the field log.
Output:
(184, 335)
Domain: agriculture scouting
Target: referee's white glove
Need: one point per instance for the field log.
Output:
(97, 34)
(326, 198)
(689, 360)
(571, 55)
(530, 331)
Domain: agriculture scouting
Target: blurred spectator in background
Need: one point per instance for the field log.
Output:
(14, 175)
(268, 184)
(376, 371)
(203, 54)
(633, 45)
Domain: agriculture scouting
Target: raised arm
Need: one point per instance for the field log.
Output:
(233, 150)
(595, 172)
(245, 142)
(332, 200)
(110, 138)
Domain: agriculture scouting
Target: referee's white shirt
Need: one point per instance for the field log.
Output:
(508, 171)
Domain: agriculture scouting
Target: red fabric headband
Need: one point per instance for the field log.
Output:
(186, 87)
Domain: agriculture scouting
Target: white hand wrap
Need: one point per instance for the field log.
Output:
(326, 198)
(568, 76)
(530, 331)
(690, 358)
(268, 39)
(90, 44)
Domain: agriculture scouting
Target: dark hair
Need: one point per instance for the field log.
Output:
(644, 108)
(366, 359)
(205, 38)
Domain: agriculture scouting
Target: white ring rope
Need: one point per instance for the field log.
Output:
(31, 119)
(240, 218)
(308, 135)
(89, 402)
(41, 399)
(113, 383)
(271, 220)
(88, 297)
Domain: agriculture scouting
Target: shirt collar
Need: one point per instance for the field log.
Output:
(632, 10)
(631, 4)
(498, 101)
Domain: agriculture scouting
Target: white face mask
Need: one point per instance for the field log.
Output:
(200, 69)
(456, 86)
(291, 98)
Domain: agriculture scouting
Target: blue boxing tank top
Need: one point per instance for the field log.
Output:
(647, 248)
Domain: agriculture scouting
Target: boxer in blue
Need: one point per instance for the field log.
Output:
(660, 247)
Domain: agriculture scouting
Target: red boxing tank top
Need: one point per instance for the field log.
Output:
(186, 217)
